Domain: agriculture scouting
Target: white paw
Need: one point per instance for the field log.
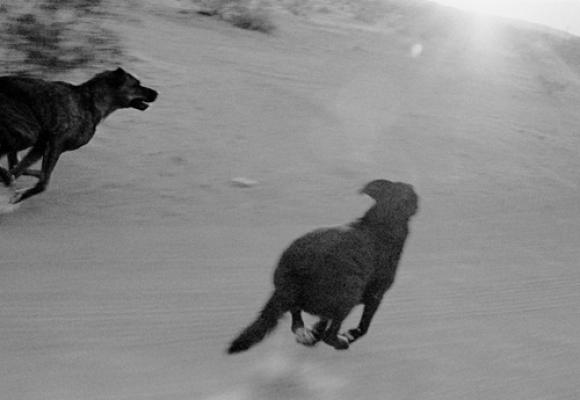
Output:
(6, 205)
(346, 336)
(305, 336)
(17, 196)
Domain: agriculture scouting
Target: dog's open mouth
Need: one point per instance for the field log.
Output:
(139, 104)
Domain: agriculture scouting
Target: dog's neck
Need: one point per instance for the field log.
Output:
(104, 110)
(101, 100)
(386, 224)
(103, 104)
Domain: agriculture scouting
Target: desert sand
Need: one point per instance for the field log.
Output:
(127, 279)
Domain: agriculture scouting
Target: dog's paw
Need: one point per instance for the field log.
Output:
(306, 337)
(17, 196)
(352, 334)
(7, 179)
(6, 206)
(340, 342)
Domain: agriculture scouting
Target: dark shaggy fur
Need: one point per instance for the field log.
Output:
(328, 272)
(54, 117)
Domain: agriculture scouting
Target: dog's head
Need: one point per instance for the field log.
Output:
(127, 90)
(397, 198)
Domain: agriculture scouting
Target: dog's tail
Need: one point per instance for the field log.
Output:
(266, 322)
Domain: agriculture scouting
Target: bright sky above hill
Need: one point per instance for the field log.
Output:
(560, 14)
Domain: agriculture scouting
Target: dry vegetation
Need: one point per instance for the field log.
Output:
(257, 14)
(49, 37)
(245, 14)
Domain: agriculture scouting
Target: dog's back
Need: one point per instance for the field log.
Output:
(331, 267)
(31, 107)
(32, 91)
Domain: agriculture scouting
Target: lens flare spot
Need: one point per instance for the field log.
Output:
(416, 50)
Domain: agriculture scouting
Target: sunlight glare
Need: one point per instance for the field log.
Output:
(484, 34)
(559, 14)
(504, 8)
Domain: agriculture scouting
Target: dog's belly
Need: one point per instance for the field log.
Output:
(19, 128)
(330, 303)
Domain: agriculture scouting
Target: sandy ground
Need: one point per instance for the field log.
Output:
(130, 275)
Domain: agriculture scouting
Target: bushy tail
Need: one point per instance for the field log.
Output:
(266, 322)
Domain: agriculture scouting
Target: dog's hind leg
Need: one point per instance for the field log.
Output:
(5, 175)
(309, 337)
(21, 168)
(303, 335)
(319, 328)
(12, 159)
(332, 338)
(49, 160)
(297, 322)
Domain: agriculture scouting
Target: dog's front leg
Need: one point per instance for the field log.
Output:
(369, 311)
(333, 338)
(304, 336)
(371, 300)
(51, 155)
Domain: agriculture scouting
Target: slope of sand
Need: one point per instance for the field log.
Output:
(129, 276)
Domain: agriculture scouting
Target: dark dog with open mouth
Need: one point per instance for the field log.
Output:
(329, 271)
(53, 117)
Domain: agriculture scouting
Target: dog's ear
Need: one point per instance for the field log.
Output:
(394, 196)
(119, 76)
(378, 190)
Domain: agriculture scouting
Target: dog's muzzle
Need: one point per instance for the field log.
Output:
(140, 103)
